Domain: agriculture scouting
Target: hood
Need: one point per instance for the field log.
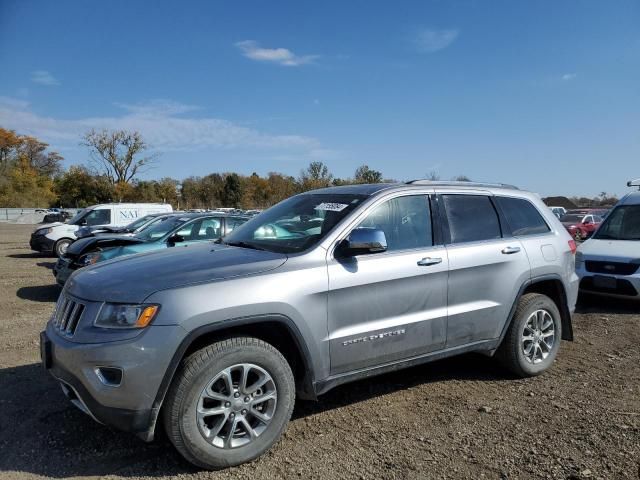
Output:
(621, 250)
(133, 279)
(48, 225)
(88, 244)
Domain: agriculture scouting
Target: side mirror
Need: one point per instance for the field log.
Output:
(363, 241)
(175, 238)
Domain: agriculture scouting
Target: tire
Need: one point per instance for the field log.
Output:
(61, 246)
(578, 236)
(515, 352)
(187, 428)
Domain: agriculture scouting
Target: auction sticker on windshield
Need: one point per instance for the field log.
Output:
(331, 207)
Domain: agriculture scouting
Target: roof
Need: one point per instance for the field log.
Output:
(632, 198)
(373, 188)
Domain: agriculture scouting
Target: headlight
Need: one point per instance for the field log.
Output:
(89, 259)
(44, 231)
(116, 315)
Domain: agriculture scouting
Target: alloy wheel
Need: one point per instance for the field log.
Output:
(538, 336)
(236, 406)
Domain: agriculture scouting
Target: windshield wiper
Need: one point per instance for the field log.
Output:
(243, 245)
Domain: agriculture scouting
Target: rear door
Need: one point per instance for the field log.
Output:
(485, 269)
(388, 306)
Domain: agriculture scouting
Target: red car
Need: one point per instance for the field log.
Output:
(581, 226)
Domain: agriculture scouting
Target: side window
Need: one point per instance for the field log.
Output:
(472, 218)
(98, 217)
(210, 229)
(405, 221)
(522, 216)
(187, 229)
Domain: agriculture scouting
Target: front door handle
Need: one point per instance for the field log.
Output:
(427, 261)
(510, 250)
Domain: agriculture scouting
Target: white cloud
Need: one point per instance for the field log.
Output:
(44, 78)
(158, 107)
(158, 124)
(429, 40)
(568, 76)
(282, 56)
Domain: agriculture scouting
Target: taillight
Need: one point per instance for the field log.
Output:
(573, 246)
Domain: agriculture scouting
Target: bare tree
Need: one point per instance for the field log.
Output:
(118, 153)
(433, 176)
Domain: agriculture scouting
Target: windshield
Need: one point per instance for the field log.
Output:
(621, 224)
(77, 217)
(295, 224)
(571, 218)
(160, 230)
(138, 223)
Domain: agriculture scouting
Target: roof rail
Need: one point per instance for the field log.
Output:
(454, 183)
(634, 183)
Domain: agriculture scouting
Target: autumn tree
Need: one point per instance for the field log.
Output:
(78, 187)
(232, 190)
(364, 174)
(119, 154)
(316, 175)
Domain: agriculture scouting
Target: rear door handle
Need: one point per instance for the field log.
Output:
(510, 250)
(427, 261)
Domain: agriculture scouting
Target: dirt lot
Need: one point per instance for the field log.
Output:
(458, 418)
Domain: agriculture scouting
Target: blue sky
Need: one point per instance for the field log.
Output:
(543, 94)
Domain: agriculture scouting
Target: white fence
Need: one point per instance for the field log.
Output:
(16, 214)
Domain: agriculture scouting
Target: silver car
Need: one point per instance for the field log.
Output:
(215, 341)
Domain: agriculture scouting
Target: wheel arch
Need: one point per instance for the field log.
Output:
(275, 329)
(552, 287)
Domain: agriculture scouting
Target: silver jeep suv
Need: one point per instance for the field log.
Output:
(215, 341)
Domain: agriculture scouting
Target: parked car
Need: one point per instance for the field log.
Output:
(174, 230)
(581, 226)
(56, 215)
(558, 211)
(609, 262)
(130, 229)
(56, 237)
(220, 338)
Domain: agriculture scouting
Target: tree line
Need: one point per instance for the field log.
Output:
(31, 175)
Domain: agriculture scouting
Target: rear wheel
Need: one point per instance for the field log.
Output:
(578, 236)
(60, 247)
(533, 338)
(229, 403)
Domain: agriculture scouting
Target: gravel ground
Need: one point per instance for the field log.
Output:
(459, 418)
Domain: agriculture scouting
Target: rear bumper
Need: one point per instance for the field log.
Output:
(41, 243)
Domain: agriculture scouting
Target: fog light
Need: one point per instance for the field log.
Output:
(110, 376)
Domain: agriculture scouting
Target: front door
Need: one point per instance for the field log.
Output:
(389, 306)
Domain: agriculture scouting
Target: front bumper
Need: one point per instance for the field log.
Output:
(131, 405)
(40, 243)
(62, 270)
(611, 285)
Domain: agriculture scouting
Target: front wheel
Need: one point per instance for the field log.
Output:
(533, 338)
(229, 403)
(578, 236)
(60, 248)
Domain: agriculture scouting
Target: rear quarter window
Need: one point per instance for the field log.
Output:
(523, 218)
(471, 218)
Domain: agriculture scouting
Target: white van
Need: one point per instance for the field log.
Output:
(56, 237)
(609, 262)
